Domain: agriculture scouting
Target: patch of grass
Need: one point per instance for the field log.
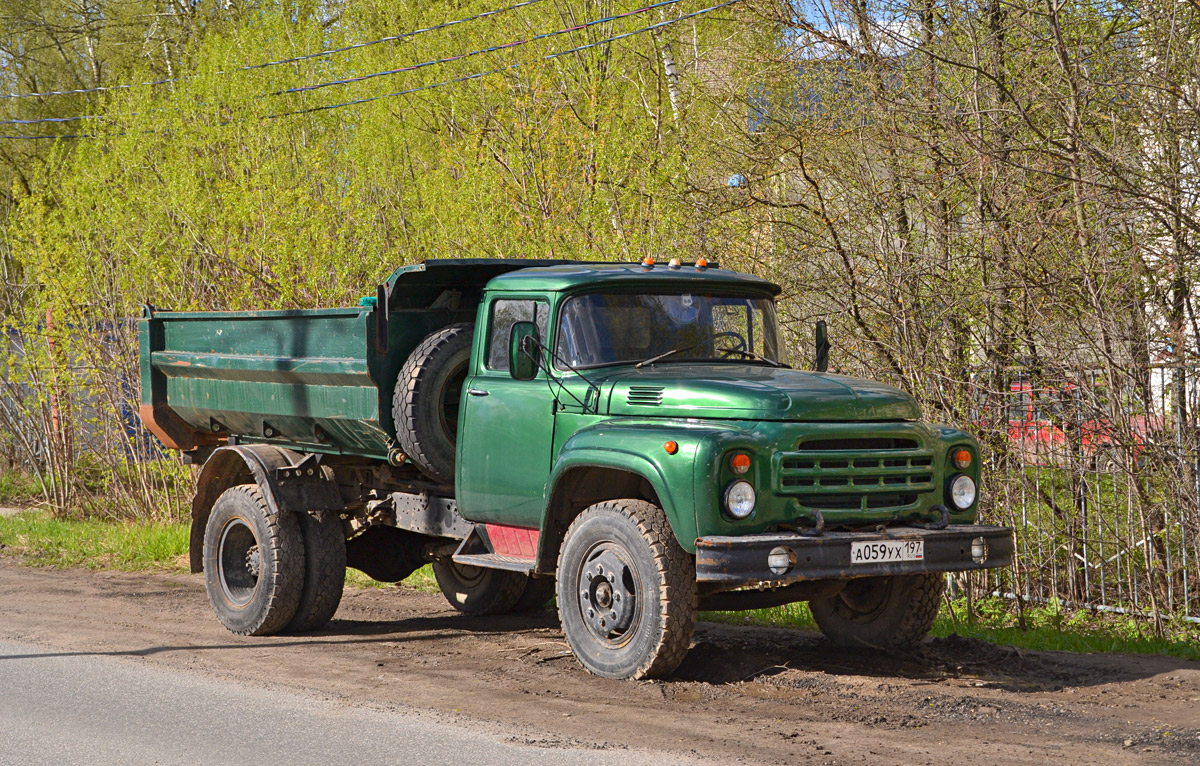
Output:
(996, 621)
(1053, 628)
(421, 580)
(19, 489)
(45, 541)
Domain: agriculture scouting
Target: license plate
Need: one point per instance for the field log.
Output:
(887, 550)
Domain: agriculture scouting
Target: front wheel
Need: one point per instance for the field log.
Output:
(626, 591)
(893, 612)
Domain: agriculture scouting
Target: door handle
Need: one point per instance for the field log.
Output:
(476, 392)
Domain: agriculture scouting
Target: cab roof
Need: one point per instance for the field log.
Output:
(420, 284)
(583, 275)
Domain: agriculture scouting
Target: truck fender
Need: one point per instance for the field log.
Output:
(679, 511)
(289, 481)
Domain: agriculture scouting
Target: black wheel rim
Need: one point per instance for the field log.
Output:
(466, 576)
(607, 584)
(238, 562)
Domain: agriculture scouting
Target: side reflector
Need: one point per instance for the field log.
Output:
(671, 447)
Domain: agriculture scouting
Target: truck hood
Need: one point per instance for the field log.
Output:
(753, 392)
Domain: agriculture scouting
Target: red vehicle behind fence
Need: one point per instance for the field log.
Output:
(1072, 424)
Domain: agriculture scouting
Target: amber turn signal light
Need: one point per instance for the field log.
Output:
(962, 458)
(671, 447)
(740, 463)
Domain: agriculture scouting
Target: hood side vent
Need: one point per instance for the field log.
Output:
(645, 396)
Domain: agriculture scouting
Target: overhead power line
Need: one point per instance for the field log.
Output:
(265, 64)
(497, 70)
(492, 49)
(400, 70)
(455, 80)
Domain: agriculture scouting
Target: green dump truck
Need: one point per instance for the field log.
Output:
(624, 437)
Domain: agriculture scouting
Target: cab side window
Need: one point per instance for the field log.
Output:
(505, 313)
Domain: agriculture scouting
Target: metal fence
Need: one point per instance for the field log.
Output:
(1102, 489)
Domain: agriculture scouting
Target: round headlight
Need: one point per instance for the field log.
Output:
(962, 492)
(739, 499)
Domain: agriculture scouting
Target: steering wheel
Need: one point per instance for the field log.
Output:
(741, 346)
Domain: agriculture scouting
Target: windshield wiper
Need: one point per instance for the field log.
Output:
(753, 355)
(665, 354)
(701, 342)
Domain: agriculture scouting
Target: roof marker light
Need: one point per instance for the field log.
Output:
(674, 263)
(648, 262)
(701, 263)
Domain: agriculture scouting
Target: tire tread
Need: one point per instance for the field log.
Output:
(408, 398)
(285, 544)
(678, 602)
(324, 571)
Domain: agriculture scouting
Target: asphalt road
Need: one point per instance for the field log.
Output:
(66, 708)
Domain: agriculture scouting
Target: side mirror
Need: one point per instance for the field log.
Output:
(523, 351)
(822, 338)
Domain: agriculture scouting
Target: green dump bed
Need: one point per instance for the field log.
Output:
(300, 377)
(317, 380)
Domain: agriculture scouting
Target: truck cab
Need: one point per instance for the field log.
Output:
(628, 438)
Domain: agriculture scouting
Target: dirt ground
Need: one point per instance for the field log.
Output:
(743, 695)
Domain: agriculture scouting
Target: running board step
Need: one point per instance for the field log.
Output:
(496, 546)
(495, 561)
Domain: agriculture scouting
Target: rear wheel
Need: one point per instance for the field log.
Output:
(253, 563)
(626, 591)
(893, 612)
(476, 590)
(324, 570)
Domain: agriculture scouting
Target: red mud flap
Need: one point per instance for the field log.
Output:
(783, 558)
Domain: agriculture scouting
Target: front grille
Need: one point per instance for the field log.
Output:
(646, 396)
(856, 473)
(855, 502)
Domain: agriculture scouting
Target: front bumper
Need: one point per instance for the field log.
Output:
(734, 562)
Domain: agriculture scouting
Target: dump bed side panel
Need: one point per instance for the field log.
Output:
(299, 378)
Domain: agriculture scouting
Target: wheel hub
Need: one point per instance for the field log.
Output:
(253, 562)
(608, 599)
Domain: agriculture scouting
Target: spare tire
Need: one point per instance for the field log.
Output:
(426, 401)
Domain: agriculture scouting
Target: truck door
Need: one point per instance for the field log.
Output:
(507, 427)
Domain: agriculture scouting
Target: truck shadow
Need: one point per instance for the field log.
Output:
(726, 654)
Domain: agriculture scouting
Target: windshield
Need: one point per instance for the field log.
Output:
(601, 329)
